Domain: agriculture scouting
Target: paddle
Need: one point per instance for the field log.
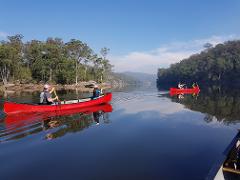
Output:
(56, 96)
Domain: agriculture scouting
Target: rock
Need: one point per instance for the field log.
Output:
(9, 85)
(90, 84)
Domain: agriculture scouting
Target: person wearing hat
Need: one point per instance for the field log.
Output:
(96, 92)
(46, 97)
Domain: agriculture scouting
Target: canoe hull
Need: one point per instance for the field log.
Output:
(21, 119)
(14, 108)
(184, 91)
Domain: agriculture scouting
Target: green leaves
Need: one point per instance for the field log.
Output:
(219, 64)
(51, 60)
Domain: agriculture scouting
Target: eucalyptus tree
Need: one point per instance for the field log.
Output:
(104, 62)
(16, 46)
(11, 58)
(34, 52)
(5, 62)
(53, 55)
(78, 51)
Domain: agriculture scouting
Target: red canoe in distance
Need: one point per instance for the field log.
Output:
(21, 119)
(14, 108)
(174, 91)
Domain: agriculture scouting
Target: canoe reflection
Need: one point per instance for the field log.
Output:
(55, 124)
(181, 95)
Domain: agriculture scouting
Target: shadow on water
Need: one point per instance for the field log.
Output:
(54, 124)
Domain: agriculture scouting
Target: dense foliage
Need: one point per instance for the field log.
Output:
(51, 61)
(219, 65)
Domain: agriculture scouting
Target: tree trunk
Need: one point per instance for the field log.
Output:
(76, 78)
(5, 74)
(85, 74)
(50, 75)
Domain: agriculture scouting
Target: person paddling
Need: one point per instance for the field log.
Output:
(180, 86)
(96, 92)
(46, 97)
(193, 85)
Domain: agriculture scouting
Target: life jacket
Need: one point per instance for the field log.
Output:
(96, 93)
(44, 98)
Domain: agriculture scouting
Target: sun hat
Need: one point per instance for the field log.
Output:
(46, 86)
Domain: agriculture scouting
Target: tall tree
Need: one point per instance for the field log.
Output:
(103, 61)
(78, 51)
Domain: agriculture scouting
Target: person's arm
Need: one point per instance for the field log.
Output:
(50, 99)
(53, 89)
(56, 98)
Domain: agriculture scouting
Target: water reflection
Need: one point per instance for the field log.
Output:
(54, 124)
(150, 134)
(217, 106)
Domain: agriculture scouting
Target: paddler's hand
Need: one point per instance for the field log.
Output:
(53, 89)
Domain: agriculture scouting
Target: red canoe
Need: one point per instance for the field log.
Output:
(13, 108)
(21, 119)
(184, 91)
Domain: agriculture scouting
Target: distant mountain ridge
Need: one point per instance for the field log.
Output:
(142, 77)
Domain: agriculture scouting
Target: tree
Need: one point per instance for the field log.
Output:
(53, 54)
(34, 57)
(78, 51)
(104, 52)
(103, 62)
(5, 63)
(207, 45)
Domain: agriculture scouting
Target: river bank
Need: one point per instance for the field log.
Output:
(85, 86)
(81, 86)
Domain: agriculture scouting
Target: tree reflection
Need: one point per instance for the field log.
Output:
(71, 124)
(55, 125)
(222, 106)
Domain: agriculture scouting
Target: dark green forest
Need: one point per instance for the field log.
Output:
(219, 65)
(51, 61)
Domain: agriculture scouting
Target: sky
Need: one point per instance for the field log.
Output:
(143, 35)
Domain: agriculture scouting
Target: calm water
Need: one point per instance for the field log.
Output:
(143, 134)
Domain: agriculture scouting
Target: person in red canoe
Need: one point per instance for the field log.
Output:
(96, 92)
(194, 85)
(180, 86)
(46, 97)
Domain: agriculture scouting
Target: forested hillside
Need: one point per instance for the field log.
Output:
(219, 65)
(51, 61)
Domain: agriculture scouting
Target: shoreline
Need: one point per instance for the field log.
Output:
(81, 86)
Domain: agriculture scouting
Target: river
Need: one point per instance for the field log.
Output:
(143, 134)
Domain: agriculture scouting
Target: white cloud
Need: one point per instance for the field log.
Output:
(3, 35)
(163, 56)
(163, 106)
